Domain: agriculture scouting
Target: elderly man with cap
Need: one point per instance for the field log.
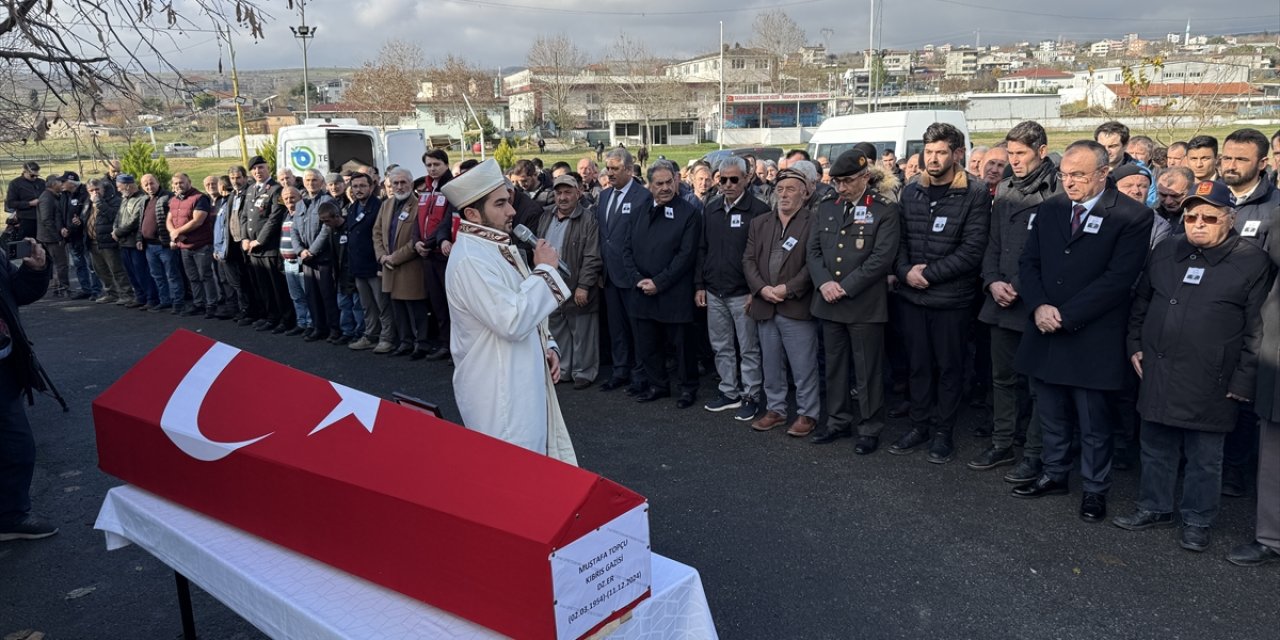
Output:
(262, 221)
(852, 248)
(49, 230)
(23, 196)
(775, 263)
(499, 307)
(102, 244)
(1195, 331)
(127, 232)
(570, 227)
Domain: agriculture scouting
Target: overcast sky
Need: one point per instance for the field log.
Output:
(499, 32)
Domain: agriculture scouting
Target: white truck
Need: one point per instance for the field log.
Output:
(332, 145)
(901, 131)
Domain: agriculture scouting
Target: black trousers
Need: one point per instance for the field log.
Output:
(17, 450)
(652, 338)
(322, 298)
(936, 341)
(267, 273)
(1067, 411)
(237, 272)
(860, 347)
(621, 338)
(437, 298)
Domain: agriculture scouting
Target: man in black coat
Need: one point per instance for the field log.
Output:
(615, 211)
(23, 196)
(20, 375)
(1085, 252)
(1194, 335)
(659, 259)
(1017, 203)
(945, 217)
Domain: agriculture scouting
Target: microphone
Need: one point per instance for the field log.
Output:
(523, 234)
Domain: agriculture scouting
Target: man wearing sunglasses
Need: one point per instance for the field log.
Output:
(1172, 188)
(1195, 331)
(1077, 272)
(721, 288)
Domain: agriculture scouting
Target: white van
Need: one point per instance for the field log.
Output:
(330, 144)
(902, 131)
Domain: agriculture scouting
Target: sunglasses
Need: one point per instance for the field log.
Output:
(1209, 218)
(728, 179)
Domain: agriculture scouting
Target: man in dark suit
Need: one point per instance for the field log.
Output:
(659, 258)
(263, 217)
(615, 212)
(1085, 252)
(851, 250)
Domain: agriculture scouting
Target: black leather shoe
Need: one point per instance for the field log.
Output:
(1232, 481)
(651, 394)
(280, 328)
(1026, 471)
(830, 435)
(941, 450)
(613, 383)
(909, 441)
(1093, 507)
(1252, 554)
(899, 411)
(686, 400)
(309, 336)
(403, 351)
(1043, 486)
(866, 445)
(438, 354)
(1195, 538)
(1140, 520)
(635, 389)
(991, 458)
(418, 355)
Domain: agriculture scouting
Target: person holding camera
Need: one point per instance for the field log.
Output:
(20, 375)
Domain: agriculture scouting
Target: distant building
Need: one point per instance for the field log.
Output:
(1034, 80)
(962, 63)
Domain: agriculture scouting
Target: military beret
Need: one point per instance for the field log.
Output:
(850, 163)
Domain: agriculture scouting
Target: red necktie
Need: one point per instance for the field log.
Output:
(1077, 218)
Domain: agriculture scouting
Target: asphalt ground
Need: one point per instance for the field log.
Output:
(791, 540)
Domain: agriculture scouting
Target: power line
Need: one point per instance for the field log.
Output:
(636, 13)
(1111, 18)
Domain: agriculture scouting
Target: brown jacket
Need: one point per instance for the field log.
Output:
(766, 232)
(403, 278)
(581, 255)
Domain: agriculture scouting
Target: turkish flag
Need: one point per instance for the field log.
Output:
(455, 518)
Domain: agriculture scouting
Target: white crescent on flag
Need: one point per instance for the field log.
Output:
(181, 418)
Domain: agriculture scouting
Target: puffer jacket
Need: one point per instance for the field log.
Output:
(129, 220)
(1256, 214)
(949, 237)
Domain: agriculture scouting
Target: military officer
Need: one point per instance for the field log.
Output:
(851, 251)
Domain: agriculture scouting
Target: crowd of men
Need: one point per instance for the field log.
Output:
(1113, 303)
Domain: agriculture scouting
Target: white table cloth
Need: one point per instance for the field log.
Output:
(291, 596)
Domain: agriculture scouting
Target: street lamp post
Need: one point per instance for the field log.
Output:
(304, 33)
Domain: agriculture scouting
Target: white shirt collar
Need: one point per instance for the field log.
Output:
(1089, 204)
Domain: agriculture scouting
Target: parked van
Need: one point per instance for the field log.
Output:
(902, 131)
(330, 145)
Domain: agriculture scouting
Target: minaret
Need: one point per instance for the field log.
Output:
(1186, 39)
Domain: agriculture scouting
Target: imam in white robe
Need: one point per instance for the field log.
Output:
(499, 310)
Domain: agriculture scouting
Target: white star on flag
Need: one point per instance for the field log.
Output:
(353, 403)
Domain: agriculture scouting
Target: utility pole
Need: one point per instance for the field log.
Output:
(871, 52)
(720, 138)
(305, 34)
(235, 89)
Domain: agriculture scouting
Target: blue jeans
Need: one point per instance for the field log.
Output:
(297, 292)
(166, 270)
(88, 280)
(1162, 448)
(135, 266)
(351, 314)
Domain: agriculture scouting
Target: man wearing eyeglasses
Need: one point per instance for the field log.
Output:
(1172, 188)
(721, 288)
(1077, 272)
(945, 220)
(1195, 331)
